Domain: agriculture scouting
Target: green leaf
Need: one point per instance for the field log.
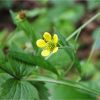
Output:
(5, 65)
(3, 78)
(14, 68)
(40, 61)
(32, 60)
(60, 59)
(18, 90)
(87, 69)
(20, 69)
(61, 92)
(2, 56)
(42, 90)
(69, 51)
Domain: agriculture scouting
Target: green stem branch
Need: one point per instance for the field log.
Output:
(84, 25)
(64, 82)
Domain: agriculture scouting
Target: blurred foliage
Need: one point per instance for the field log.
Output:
(59, 92)
(6, 4)
(20, 58)
(96, 35)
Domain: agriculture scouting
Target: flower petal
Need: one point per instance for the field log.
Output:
(45, 53)
(47, 36)
(55, 38)
(55, 50)
(41, 43)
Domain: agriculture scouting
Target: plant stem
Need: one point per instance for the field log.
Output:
(68, 69)
(84, 25)
(64, 82)
(91, 52)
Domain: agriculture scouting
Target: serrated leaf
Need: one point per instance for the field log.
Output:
(18, 90)
(5, 67)
(20, 69)
(33, 60)
(42, 90)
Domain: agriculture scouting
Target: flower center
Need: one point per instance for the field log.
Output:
(51, 45)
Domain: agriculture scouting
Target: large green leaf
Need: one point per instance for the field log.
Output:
(32, 60)
(18, 90)
(61, 92)
(60, 59)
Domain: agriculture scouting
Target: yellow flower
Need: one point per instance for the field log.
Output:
(48, 44)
